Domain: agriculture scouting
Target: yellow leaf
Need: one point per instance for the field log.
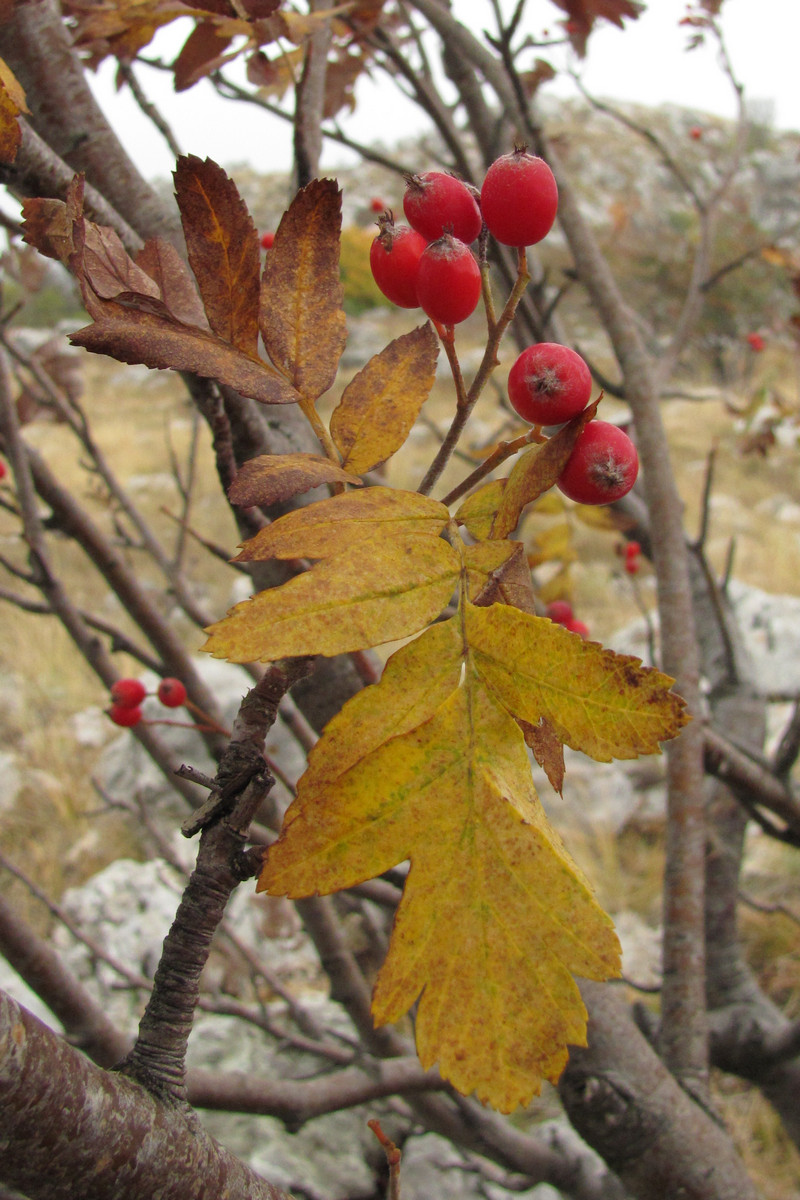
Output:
(272, 478)
(597, 516)
(374, 592)
(380, 405)
(478, 511)
(13, 87)
(495, 917)
(301, 316)
(327, 527)
(536, 471)
(607, 705)
(553, 543)
(483, 562)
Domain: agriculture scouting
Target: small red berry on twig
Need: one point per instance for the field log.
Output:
(126, 715)
(128, 693)
(171, 693)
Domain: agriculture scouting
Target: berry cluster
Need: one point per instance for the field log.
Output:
(630, 553)
(550, 384)
(127, 696)
(561, 612)
(428, 263)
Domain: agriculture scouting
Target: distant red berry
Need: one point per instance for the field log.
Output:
(549, 384)
(632, 549)
(377, 205)
(128, 693)
(448, 281)
(577, 627)
(602, 467)
(435, 203)
(394, 258)
(3, 469)
(125, 715)
(266, 240)
(171, 693)
(560, 611)
(519, 199)
(756, 342)
(632, 564)
(695, 133)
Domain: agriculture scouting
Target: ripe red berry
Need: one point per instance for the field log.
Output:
(577, 627)
(125, 715)
(3, 469)
(448, 281)
(377, 205)
(549, 384)
(560, 611)
(756, 342)
(632, 564)
(435, 203)
(602, 467)
(171, 693)
(128, 693)
(695, 133)
(266, 240)
(394, 258)
(519, 199)
(632, 549)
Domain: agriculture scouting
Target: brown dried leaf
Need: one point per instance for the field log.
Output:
(582, 15)
(380, 405)
(175, 283)
(154, 338)
(10, 132)
(302, 320)
(201, 53)
(48, 227)
(274, 76)
(509, 582)
(272, 478)
(13, 86)
(536, 471)
(108, 268)
(547, 749)
(223, 249)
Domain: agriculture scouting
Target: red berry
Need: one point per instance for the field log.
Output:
(519, 199)
(560, 611)
(128, 693)
(3, 469)
(695, 133)
(377, 205)
(448, 281)
(125, 715)
(577, 627)
(171, 693)
(632, 549)
(602, 467)
(549, 384)
(435, 203)
(632, 564)
(394, 258)
(266, 240)
(756, 342)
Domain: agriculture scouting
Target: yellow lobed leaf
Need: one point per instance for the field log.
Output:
(272, 478)
(536, 471)
(223, 250)
(607, 705)
(328, 527)
(375, 592)
(495, 917)
(479, 510)
(301, 316)
(380, 405)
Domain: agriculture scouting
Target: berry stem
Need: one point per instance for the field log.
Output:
(206, 720)
(488, 363)
(501, 452)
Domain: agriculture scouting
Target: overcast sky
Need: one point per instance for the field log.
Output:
(647, 62)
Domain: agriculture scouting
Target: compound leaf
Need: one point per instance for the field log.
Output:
(272, 478)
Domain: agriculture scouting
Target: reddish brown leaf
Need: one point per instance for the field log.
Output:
(302, 319)
(547, 749)
(582, 15)
(271, 478)
(223, 249)
(175, 283)
(108, 268)
(47, 226)
(537, 471)
(201, 53)
(154, 338)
